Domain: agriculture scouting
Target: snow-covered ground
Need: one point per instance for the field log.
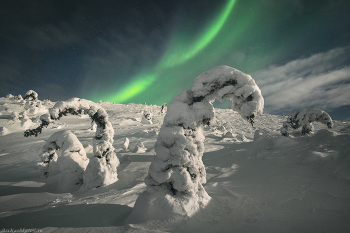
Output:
(273, 184)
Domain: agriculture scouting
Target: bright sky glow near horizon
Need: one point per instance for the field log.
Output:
(298, 51)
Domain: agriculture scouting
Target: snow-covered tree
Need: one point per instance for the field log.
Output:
(31, 95)
(162, 108)
(139, 148)
(126, 144)
(177, 173)
(102, 168)
(146, 117)
(304, 118)
(14, 116)
(72, 162)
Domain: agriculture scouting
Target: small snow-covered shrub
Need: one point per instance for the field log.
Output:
(14, 116)
(146, 117)
(102, 168)
(126, 144)
(19, 97)
(3, 131)
(162, 108)
(139, 148)
(304, 118)
(176, 175)
(72, 162)
(31, 95)
(9, 96)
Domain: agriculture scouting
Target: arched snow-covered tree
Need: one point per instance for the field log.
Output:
(72, 162)
(176, 174)
(304, 118)
(102, 168)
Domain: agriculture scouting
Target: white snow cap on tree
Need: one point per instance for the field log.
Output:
(72, 162)
(304, 118)
(31, 95)
(176, 174)
(102, 168)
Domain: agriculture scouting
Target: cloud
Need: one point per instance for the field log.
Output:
(320, 81)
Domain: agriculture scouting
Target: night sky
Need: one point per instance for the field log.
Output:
(298, 51)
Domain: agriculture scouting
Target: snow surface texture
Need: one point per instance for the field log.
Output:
(273, 184)
(304, 118)
(177, 173)
(72, 162)
(102, 168)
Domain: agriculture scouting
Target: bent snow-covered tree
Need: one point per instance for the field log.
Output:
(72, 162)
(102, 168)
(176, 174)
(304, 118)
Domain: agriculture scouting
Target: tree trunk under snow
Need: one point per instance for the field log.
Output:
(177, 174)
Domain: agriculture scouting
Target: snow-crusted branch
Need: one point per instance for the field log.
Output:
(304, 118)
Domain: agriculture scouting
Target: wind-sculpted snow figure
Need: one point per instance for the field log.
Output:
(304, 118)
(176, 174)
(102, 168)
(72, 162)
(31, 95)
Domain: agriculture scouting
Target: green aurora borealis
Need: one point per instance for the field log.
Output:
(240, 34)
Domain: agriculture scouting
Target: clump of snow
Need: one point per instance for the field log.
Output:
(139, 148)
(258, 135)
(31, 95)
(9, 96)
(177, 173)
(72, 162)
(3, 131)
(304, 118)
(14, 116)
(146, 117)
(126, 144)
(102, 169)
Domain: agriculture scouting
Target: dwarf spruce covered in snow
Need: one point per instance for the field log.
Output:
(102, 168)
(146, 117)
(31, 95)
(304, 118)
(176, 174)
(72, 162)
